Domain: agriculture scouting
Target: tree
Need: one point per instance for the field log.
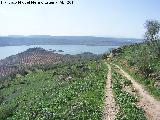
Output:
(153, 28)
(151, 35)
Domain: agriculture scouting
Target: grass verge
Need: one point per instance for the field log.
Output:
(128, 110)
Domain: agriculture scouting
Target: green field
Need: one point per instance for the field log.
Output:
(66, 92)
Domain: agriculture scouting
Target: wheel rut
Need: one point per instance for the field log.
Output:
(150, 105)
(110, 106)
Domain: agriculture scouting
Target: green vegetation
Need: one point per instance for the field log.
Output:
(72, 87)
(142, 64)
(35, 58)
(68, 92)
(128, 109)
(153, 27)
(142, 60)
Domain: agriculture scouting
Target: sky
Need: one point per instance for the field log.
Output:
(108, 18)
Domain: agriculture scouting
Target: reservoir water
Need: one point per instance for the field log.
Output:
(68, 49)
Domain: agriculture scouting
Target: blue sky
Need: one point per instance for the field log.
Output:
(110, 18)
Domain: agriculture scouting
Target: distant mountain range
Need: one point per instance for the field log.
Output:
(16, 40)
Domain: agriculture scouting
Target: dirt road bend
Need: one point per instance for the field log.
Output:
(147, 102)
(110, 108)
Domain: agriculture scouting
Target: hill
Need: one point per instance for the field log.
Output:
(77, 88)
(39, 57)
(142, 61)
(68, 91)
(64, 40)
(32, 56)
(133, 84)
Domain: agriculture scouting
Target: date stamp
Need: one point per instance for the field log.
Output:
(61, 2)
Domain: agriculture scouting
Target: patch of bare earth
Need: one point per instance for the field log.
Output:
(150, 105)
(110, 106)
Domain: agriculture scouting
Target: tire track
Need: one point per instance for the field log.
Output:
(110, 108)
(150, 105)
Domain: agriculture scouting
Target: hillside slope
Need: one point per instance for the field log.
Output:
(136, 95)
(30, 57)
(143, 63)
(69, 91)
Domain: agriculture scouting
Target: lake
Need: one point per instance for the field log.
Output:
(68, 49)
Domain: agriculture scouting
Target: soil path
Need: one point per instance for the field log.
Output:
(150, 105)
(110, 108)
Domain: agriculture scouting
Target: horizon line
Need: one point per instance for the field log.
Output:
(102, 36)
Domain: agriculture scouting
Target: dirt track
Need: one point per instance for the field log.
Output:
(147, 102)
(110, 108)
